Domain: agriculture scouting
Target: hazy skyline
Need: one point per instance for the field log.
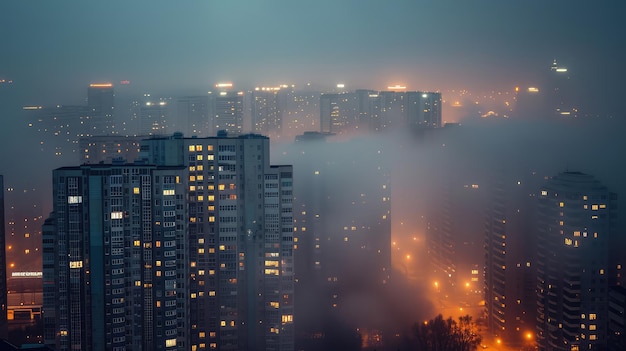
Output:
(52, 50)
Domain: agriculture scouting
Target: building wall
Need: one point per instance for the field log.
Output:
(574, 226)
(111, 250)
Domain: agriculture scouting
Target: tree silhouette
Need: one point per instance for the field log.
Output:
(439, 334)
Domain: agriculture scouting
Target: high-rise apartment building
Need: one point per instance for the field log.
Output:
(153, 116)
(241, 285)
(575, 223)
(509, 287)
(228, 112)
(101, 108)
(423, 109)
(267, 105)
(193, 115)
(114, 259)
(108, 148)
(367, 110)
(343, 232)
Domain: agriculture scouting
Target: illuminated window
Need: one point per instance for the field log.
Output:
(200, 177)
(210, 157)
(222, 247)
(192, 178)
(287, 318)
(211, 219)
(136, 243)
(568, 241)
(199, 157)
(167, 192)
(544, 193)
(202, 334)
(211, 208)
(136, 190)
(209, 147)
(192, 148)
(212, 293)
(223, 323)
(594, 207)
(211, 197)
(117, 215)
(200, 198)
(76, 264)
(592, 316)
(200, 250)
(221, 187)
(561, 204)
(74, 199)
(200, 167)
(198, 147)
(170, 342)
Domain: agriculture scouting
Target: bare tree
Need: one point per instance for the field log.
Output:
(439, 334)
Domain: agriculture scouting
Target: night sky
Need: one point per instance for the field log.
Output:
(53, 49)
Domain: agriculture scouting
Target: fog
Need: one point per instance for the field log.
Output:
(364, 207)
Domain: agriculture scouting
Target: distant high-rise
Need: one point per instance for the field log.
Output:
(343, 232)
(575, 223)
(228, 112)
(423, 109)
(267, 106)
(108, 148)
(241, 286)
(114, 253)
(153, 118)
(193, 115)
(3, 265)
(560, 94)
(101, 107)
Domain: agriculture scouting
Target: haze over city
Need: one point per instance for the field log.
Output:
(392, 205)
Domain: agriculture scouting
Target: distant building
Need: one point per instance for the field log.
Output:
(110, 148)
(228, 112)
(153, 116)
(365, 111)
(194, 114)
(575, 223)
(342, 219)
(115, 248)
(101, 107)
(423, 109)
(267, 108)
